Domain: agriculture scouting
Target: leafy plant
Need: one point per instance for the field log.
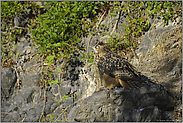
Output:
(9, 9)
(50, 59)
(137, 24)
(167, 10)
(60, 29)
(52, 82)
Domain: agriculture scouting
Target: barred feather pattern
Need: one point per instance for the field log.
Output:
(118, 67)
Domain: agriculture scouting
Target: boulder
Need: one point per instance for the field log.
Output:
(144, 104)
(8, 80)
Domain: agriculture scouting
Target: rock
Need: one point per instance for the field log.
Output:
(22, 17)
(29, 79)
(164, 59)
(29, 65)
(151, 113)
(8, 80)
(23, 47)
(28, 103)
(156, 36)
(163, 62)
(122, 20)
(13, 117)
(14, 105)
(123, 105)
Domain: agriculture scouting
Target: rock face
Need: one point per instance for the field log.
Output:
(159, 59)
(144, 104)
(163, 61)
(8, 80)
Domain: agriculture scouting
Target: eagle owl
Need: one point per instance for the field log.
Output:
(114, 70)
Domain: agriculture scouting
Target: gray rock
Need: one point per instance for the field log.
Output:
(146, 114)
(8, 80)
(33, 114)
(163, 62)
(123, 105)
(29, 65)
(153, 37)
(122, 20)
(29, 79)
(13, 117)
(22, 17)
(65, 87)
(23, 47)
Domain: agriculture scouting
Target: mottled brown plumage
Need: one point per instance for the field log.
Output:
(115, 70)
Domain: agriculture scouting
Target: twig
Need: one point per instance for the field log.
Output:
(18, 27)
(26, 113)
(97, 26)
(101, 19)
(18, 80)
(44, 104)
(71, 105)
(117, 18)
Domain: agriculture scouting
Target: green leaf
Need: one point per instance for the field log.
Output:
(59, 101)
(50, 83)
(59, 70)
(51, 57)
(65, 97)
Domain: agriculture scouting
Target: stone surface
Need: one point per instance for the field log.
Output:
(29, 79)
(8, 80)
(22, 17)
(143, 105)
(154, 37)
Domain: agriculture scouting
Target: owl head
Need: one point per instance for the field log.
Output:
(101, 48)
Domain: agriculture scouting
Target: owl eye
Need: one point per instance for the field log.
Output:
(96, 47)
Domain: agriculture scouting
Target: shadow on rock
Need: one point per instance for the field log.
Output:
(147, 103)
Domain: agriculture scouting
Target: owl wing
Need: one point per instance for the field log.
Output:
(116, 66)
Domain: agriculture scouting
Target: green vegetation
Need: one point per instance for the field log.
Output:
(59, 30)
(137, 14)
(168, 10)
(9, 9)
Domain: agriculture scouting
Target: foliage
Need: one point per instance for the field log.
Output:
(167, 10)
(137, 14)
(60, 29)
(10, 9)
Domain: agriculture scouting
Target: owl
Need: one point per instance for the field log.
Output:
(114, 70)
